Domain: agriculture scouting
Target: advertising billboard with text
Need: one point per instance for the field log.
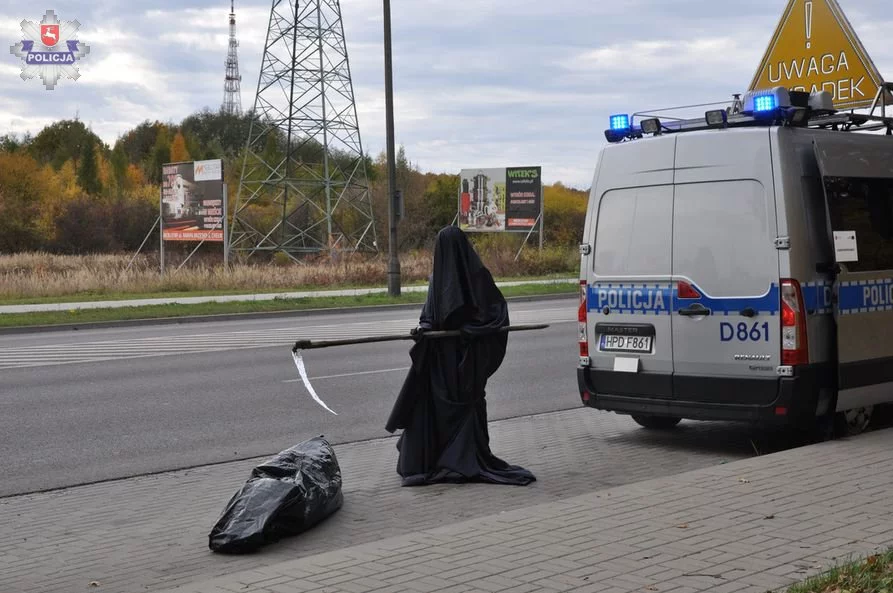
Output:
(509, 199)
(192, 204)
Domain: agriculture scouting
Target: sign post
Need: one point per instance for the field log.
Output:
(816, 49)
(161, 232)
(225, 227)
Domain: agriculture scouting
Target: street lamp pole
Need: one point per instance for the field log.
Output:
(393, 259)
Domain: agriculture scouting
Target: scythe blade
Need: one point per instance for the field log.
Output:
(299, 362)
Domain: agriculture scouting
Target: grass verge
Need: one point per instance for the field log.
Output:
(90, 296)
(277, 305)
(870, 575)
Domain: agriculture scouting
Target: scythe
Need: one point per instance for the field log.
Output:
(302, 345)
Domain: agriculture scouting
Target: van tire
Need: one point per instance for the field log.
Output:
(657, 422)
(853, 422)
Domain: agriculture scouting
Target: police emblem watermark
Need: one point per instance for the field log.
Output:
(50, 50)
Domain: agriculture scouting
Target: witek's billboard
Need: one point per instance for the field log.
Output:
(192, 204)
(509, 199)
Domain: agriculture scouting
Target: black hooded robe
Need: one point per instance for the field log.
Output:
(441, 407)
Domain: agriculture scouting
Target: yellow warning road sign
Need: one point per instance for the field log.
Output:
(815, 49)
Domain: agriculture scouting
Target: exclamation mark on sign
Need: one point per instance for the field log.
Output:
(808, 25)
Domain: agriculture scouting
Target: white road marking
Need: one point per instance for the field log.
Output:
(174, 344)
(349, 374)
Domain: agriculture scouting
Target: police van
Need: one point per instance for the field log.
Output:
(739, 265)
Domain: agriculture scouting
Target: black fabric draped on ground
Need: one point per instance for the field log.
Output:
(442, 407)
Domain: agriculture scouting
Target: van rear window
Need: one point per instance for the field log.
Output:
(864, 205)
(633, 234)
(724, 237)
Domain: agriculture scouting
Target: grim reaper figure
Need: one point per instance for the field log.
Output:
(442, 407)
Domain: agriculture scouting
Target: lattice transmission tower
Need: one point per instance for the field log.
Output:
(232, 85)
(304, 187)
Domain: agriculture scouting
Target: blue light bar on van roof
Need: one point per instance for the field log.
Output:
(620, 122)
(764, 103)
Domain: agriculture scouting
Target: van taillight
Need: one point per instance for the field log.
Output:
(684, 290)
(582, 317)
(794, 344)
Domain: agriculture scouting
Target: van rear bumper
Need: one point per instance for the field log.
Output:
(782, 400)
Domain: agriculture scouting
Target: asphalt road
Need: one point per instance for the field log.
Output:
(91, 405)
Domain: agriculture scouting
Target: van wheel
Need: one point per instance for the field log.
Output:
(657, 422)
(855, 421)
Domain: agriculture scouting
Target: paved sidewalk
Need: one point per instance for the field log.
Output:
(150, 532)
(236, 298)
(749, 526)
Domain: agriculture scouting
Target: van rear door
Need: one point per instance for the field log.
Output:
(629, 298)
(857, 174)
(726, 333)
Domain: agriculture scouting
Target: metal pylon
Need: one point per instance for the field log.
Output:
(232, 84)
(304, 187)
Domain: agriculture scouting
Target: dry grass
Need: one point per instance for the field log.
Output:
(874, 574)
(43, 275)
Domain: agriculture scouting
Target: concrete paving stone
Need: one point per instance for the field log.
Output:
(559, 565)
(656, 573)
(600, 588)
(627, 564)
(363, 585)
(438, 565)
(766, 580)
(400, 578)
(787, 571)
(463, 575)
(525, 588)
(553, 585)
(520, 572)
(430, 584)
(633, 578)
(701, 581)
(495, 583)
(393, 575)
(520, 557)
(652, 541)
(492, 566)
(678, 549)
(456, 558)
(728, 587)
(337, 578)
(391, 589)
(885, 540)
(573, 581)
(298, 586)
(689, 565)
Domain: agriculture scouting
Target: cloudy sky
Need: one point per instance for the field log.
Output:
(477, 82)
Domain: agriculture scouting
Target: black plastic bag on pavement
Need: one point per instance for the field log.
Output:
(284, 496)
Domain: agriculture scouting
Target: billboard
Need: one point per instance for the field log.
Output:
(192, 201)
(509, 199)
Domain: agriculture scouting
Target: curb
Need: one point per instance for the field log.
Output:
(238, 316)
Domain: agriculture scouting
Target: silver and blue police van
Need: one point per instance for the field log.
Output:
(739, 265)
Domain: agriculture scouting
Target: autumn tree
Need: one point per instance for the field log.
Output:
(179, 153)
(161, 154)
(222, 135)
(62, 141)
(119, 167)
(88, 172)
(564, 214)
(21, 189)
(139, 142)
(12, 142)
